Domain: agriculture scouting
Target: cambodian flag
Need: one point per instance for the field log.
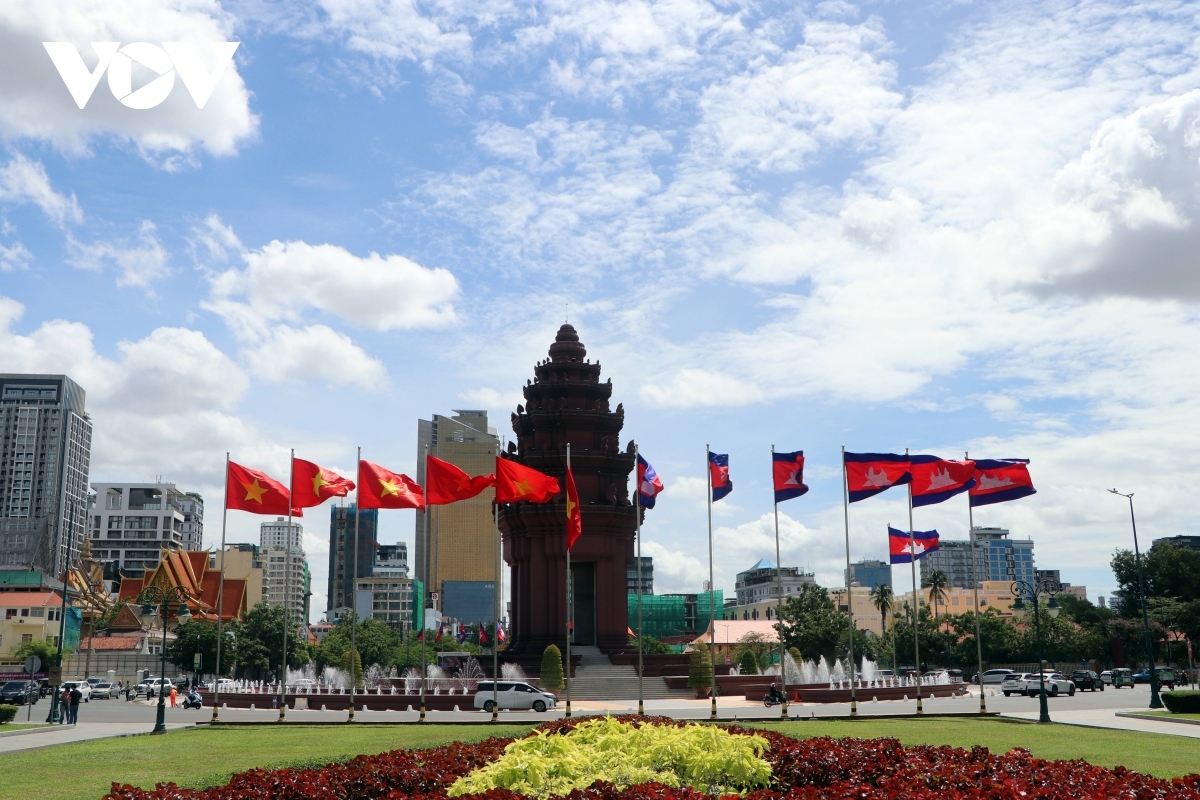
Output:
(648, 483)
(788, 473)
(463, 634)
(997, 481)
(868, 474)
(441, 631)
(903, 551)
(936, 479)
(718, 470)
(501, 636)
(483, 639)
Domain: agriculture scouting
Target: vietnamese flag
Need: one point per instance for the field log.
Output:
(254, 491)
(313, 484)
(446, 483)
(515, 483)
(936, 479)
(574, 515)
(998, 481)
(382, 488)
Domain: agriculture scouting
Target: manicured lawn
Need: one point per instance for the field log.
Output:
(1169, 714)
(1155, 754)
(208, 756)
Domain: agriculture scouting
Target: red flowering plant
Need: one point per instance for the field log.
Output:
(801, 769)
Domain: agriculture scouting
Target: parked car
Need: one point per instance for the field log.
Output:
(1106, 677)
(513, 695)
(19, 692)
(84, 687)
(1016, 683)
(103, 691)
(1122, 676)
(1086, 679)
(995, 676)
(886, 673)
(1056, 684)
(94, 681)
(150, 686)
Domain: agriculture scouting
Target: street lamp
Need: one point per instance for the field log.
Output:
(1155, 700)
(1032, 591)
(154, 596)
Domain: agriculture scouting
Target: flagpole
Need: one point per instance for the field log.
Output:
(496, 623)
(221, 599)
(569, 609)
(912, 563)
(712, 596)
(421, 636)
(779, 608)
(975, 586)
(287, 552)
(637, 515)
(354, 593)
(849, 593)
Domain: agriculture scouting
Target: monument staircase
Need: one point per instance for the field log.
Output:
(597, 678)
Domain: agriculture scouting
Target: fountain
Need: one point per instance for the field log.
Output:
(512, 672)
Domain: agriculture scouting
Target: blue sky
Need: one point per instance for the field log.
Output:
(948, 226)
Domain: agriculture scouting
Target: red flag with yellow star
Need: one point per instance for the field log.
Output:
(574, 516)
(382, 488)
(250, 490)
(312, 484)
(515, 482)
(446, 483)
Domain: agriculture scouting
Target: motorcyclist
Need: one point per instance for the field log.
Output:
(774, 695)
(193, 699)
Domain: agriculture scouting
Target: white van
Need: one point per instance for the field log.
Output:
(513, 696)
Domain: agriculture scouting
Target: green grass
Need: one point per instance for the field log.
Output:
(1170, 714)
(1161, 755)
(200, 757)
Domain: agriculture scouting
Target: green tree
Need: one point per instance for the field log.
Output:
(699, 669)
(881, 598)
(650, 645)
(551, 676)
(811, 623)
(41, 648)
(358, 668)
(196, 636)
(936, 583)
(794, 652)
(108, 616)
(748, 664)
(260, 643)
(375, 642)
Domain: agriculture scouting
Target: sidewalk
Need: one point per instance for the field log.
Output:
(33, 738)
(1107, 718)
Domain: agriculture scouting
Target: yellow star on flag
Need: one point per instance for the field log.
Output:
(392, 487)
(254, 491)
(523, 486)
(571, 506)
(318, 482)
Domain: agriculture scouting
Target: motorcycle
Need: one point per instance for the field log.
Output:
(193, 700)
(773, 698)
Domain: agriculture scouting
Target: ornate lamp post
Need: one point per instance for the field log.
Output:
(1155, 700)
(1023, 590)
(154, 596)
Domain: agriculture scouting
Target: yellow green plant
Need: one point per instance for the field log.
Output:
(704, 757)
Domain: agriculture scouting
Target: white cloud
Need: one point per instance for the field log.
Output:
(140, 265)
(315, 352)
(25, 181)
(14, 256)
(35, 103)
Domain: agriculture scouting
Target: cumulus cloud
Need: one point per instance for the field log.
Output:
(315, 352)
(23, 180)
(35, 102)
(139, 265)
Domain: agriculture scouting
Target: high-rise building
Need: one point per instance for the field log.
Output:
(460, 544)
(869, 573)
(760, 583)
(391, 560)
(997, 558)
(647, 575)
(45, 454)
(131, 523)
(1186, 542)
(394, 600)
(286, 581)
(342, 561)
(243, 562)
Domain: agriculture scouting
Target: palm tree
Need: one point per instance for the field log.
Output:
(936, 583)
(881, 598)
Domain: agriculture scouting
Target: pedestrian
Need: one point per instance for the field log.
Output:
(76, 697)
(65, 703)
(174, 694)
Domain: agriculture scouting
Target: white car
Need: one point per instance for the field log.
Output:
(1056, 684)
(995, 676)
(1016, 683)
(84, 687)
(103, 691)
(150, 686)
(514, 696)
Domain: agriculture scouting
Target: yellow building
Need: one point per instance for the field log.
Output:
(992, 594)
(866, 615)
(243, 562)
(28, 616)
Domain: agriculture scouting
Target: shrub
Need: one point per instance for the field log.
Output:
(794, 652)
(1182, 702)
(358, 672)
(748, 664)
(700, 669)
(551, 676)
(7, 713)
(703, 757)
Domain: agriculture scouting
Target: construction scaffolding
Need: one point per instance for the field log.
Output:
(674, 614)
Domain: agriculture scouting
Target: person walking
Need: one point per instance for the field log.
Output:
(76, 697)
(64, 700)
(174, 694)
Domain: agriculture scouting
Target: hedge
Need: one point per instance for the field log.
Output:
(1182, 702)
(7, 713)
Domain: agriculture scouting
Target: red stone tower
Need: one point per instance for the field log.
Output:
(567, 403)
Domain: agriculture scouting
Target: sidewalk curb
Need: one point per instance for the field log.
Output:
(48, 728)
(1157, 718)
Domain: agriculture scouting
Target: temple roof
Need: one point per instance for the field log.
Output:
(189, 571)
(566, 345)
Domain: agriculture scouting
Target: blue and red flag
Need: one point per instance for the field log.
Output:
(937, 479)
(441, 630)
(903, 550)
(1001, 480)
(648, 483)
(483, 639)
(868, 474)
(463, 634)
(787, 471)
(501, 636)
(718, 470)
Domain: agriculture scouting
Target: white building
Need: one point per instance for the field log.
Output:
(286, 565)
(130, 522)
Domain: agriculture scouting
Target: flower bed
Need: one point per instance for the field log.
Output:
(802, 769)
